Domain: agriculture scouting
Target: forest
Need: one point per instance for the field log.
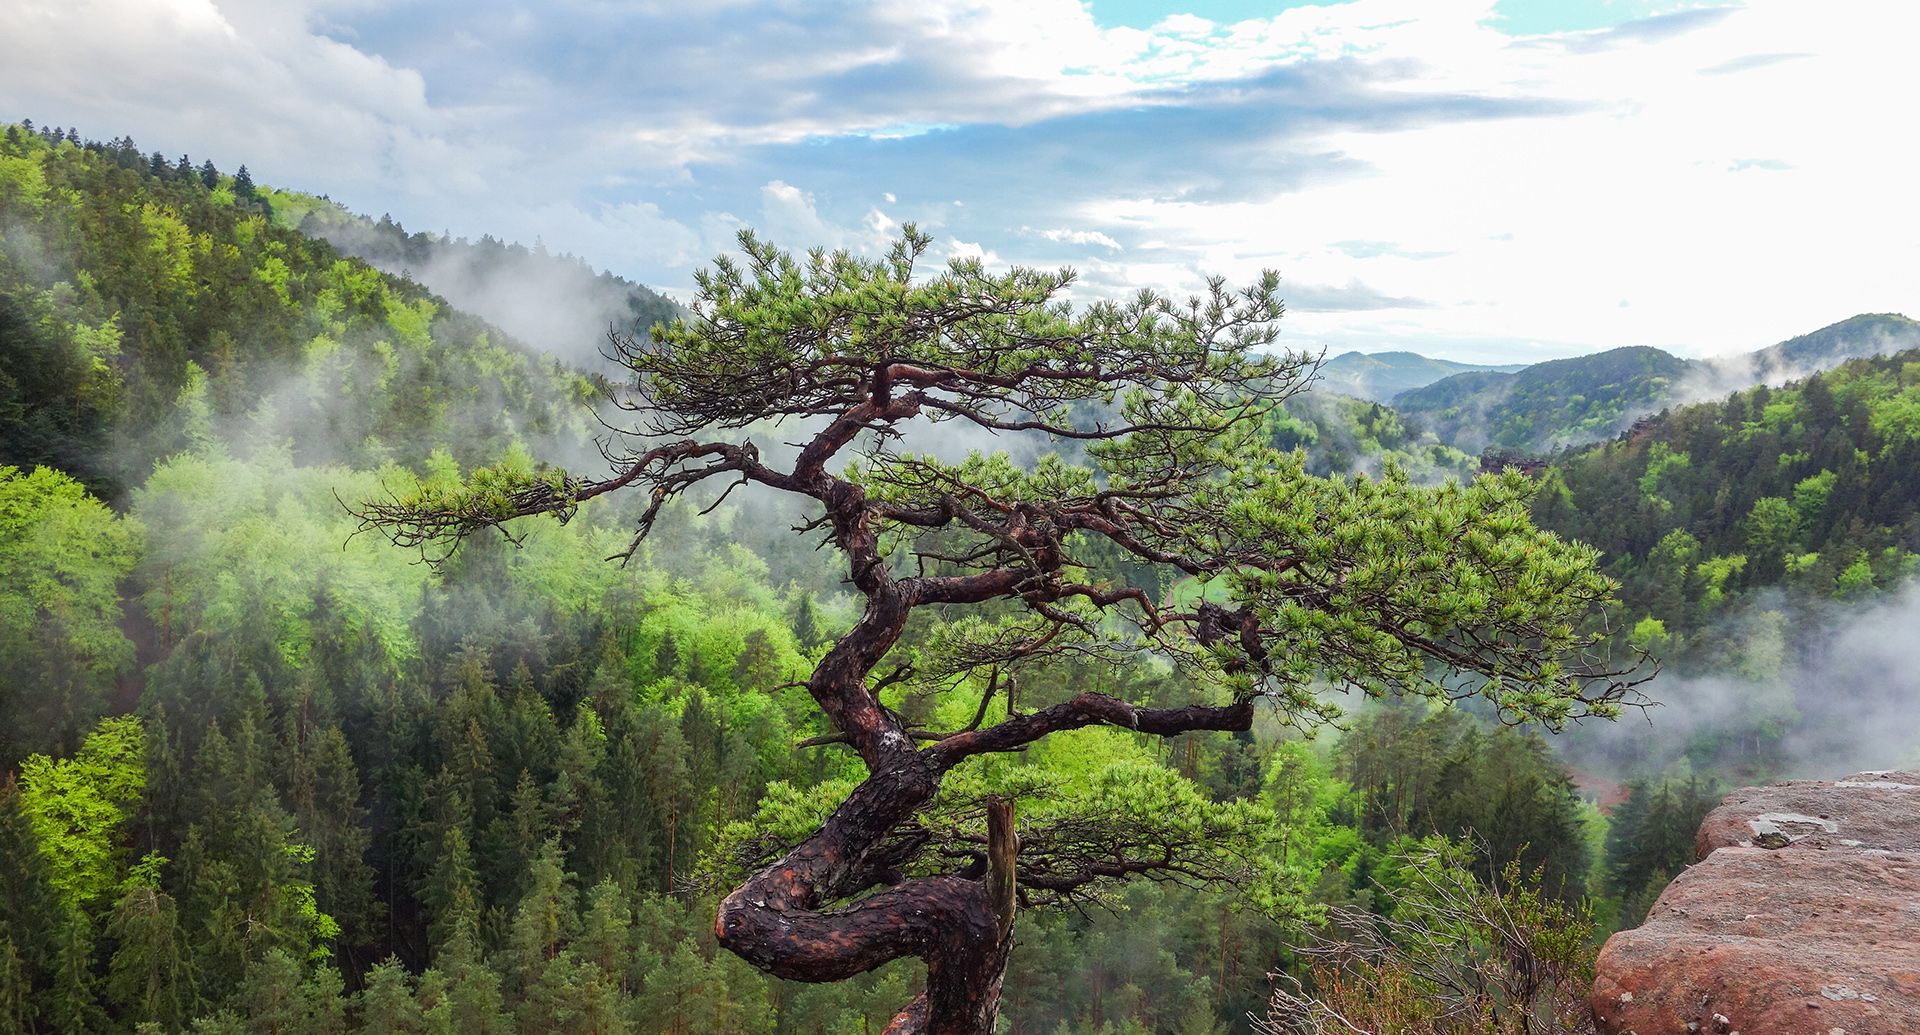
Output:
(264, 770)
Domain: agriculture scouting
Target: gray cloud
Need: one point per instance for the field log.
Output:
(488, 118)
(1651, 29)
(1749, 62)
(1351, 297)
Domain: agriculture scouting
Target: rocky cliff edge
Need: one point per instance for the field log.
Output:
(1802, 916)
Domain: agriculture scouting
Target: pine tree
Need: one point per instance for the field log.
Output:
(754, 670)
(666, 657)
(806, 622)
(209, 176)
(617, 829)
(243, 184)
(324, 793)
(515, 839)
(545, 918)
(606, 933)
(387, 1003)
(673, 796)
(26, 901)
(17, 1010)
(270, 997)
(461, 993)
(577, 791)
(282, 997)
(324, 993)
(146, 978)
(452, 892)
(73, 1006)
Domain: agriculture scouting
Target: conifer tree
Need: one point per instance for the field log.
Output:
(452, 893)
(147, 978)
(17, 1009)
(806, 622)
(324, 795)
(1372, 585)
(27, 900)
(606, 938)
(72, 1004)
(462, 993)
(387, 1003)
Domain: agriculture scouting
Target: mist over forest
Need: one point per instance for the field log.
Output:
(411, 632)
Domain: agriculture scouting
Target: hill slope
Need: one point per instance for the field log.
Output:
(145, 307)
(1573, 401)
(1548, 404)
(1379, 376)
(1869, 334)
(555, 302)
(1765, 545)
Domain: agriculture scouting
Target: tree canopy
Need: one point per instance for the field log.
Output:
(1157, 407)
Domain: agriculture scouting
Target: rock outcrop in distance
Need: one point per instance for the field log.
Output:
(1802, 916)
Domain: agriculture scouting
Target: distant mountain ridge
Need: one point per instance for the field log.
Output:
(1379, 376)
(1568, 402)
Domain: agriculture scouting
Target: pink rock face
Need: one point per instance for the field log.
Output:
(1865, 810)
(1819, 933)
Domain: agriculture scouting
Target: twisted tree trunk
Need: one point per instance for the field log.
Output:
(962, 927)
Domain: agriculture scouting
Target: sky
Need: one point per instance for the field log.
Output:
(1488, 181)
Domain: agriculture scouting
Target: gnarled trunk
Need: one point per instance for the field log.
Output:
(962, 927)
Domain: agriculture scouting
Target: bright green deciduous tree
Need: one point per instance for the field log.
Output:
(62, 556)
(76, 806)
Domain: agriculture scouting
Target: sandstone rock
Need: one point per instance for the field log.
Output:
(1819, 936)
(1865, 810)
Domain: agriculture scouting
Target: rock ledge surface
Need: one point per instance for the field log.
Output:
(1803, 916)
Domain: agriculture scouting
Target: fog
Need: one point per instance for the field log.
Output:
(1788, 688)
(556, 303)
(1720, 376)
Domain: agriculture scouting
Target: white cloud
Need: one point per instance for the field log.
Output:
(960, 250)
(1533, 229)
(1067, 235)
(1741, 177)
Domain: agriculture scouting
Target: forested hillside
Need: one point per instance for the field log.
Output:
(265, 772)
(1750, 535)
(556, 303)
(151, 305)
(1342, 434)
(1547, 405)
